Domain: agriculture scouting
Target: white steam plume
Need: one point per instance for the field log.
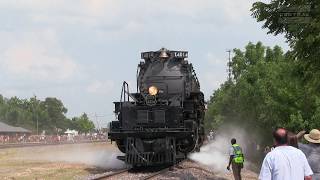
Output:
(215, 154)
(103, 156)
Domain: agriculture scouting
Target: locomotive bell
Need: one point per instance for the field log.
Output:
(163, 53)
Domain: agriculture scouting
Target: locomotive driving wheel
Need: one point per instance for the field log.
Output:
(190, 143)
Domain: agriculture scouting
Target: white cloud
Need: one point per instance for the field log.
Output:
(214, 79)
(9, 92)
(99, 87)
(214, 74)
(60, 40)
(34, 62)
(211, 80)
(213, 60)
(100, 8)
(111, 12)
(37, 56)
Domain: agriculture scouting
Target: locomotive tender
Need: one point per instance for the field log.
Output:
(163, 121)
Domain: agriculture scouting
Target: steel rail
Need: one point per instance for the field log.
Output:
(110, 175)
(178, 166)
(163, 170)
(156, 173)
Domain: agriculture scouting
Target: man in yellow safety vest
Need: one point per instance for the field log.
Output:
(236, 159)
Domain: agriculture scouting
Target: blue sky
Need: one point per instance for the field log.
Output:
(80, 51)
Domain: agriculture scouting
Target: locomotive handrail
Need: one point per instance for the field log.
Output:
(137, 76)
(125, 94)
(195, 75)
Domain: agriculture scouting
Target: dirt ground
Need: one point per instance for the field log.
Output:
(245, 174)
(74, 161)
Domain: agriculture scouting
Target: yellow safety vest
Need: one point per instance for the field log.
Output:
(238, 155)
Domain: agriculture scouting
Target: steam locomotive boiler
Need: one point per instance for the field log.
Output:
(163, 121)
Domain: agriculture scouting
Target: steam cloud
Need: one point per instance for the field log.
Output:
(215, 154)
(102, 157)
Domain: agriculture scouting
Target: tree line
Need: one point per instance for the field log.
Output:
(270, 88)
(48, 115)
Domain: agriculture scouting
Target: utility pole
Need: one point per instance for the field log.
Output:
(35, 114)
(96, 118)
(229, 65)
(37, 125)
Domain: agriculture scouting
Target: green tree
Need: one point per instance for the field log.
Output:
(264, 93)
(303, 38)
(83, 124)
(48, 115)
(56, 113)
(304, 41)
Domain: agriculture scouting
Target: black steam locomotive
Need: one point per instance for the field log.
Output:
(163, 121)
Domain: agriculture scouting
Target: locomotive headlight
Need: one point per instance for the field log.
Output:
(153, 90)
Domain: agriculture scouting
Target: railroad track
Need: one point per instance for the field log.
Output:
(120, 172)
(162, 171)
(155, 174)
(106, 176)
(147, 175)
(152, 175)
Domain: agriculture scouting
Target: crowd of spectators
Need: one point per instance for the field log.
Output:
(65, 138)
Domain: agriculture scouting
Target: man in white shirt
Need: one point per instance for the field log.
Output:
(284, 162)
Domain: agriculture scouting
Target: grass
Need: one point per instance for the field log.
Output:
(24, 164)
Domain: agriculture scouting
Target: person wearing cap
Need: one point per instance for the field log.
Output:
(312, 151)
(284, 162)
